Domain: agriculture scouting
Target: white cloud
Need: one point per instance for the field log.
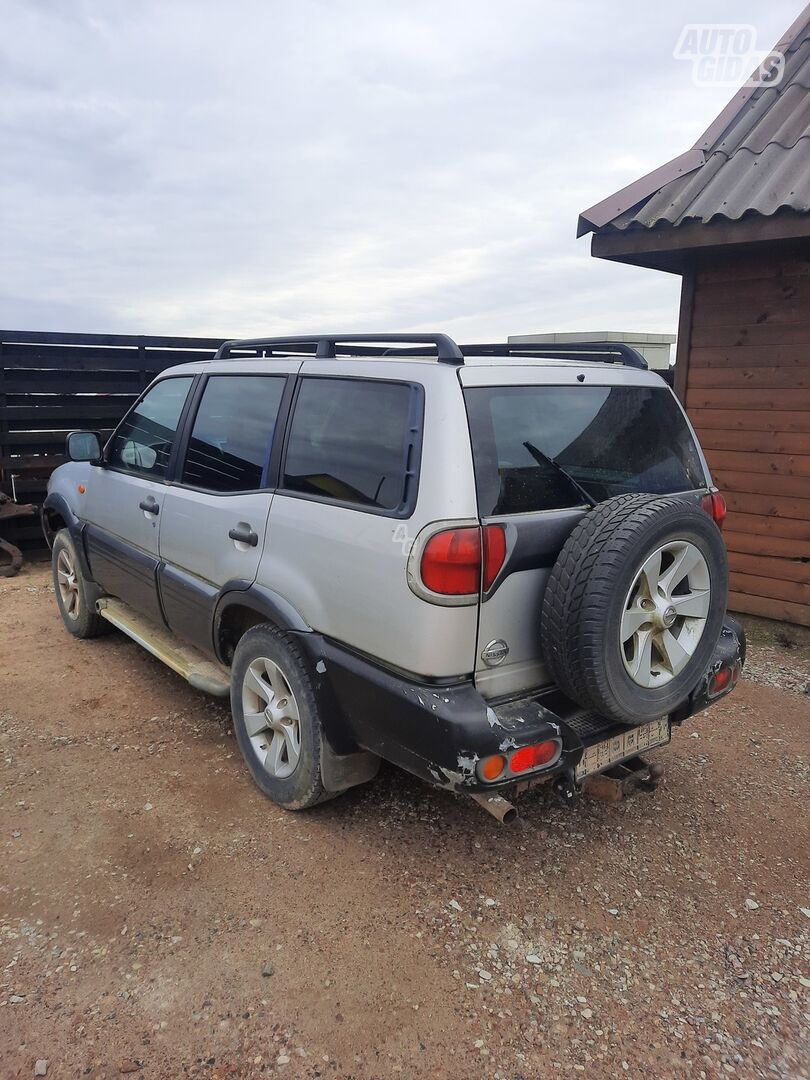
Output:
(293, 165)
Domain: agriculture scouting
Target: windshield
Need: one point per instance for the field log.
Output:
(610, 439)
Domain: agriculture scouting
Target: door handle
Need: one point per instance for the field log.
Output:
(243, 534)
(149, 505)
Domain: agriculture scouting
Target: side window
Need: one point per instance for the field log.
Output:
(233, 431)
(349, 441)
(143, 442)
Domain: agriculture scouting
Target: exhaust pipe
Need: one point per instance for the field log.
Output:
(500, 808)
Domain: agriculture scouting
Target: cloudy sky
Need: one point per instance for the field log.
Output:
(269, 166)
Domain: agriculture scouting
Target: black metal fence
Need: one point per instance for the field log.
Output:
(54, 383)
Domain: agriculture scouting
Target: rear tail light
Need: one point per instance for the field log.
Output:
(455, 561)
(531, 757)
(720, 682)
(494, 552)
(504, 766)
(451, 562)
(492, 767)
(715, 506)
(723, 680)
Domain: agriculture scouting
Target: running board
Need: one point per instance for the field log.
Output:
(194, 666)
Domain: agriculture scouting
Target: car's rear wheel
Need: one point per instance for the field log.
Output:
(75, 596)
(276, 719)
(634, 606)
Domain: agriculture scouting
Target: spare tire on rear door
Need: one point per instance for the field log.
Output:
(634, 606)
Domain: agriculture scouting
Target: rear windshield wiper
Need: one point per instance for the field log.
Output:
(542, 458)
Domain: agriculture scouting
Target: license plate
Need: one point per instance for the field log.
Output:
(628, 744)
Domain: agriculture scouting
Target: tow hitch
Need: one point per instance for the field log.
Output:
(623, 779)
(565, 787)
(610, 786)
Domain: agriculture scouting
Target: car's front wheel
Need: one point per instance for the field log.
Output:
(275, 717)
(75, 596)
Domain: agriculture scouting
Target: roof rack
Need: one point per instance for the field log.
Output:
(605, 352)
(328, 346)
(444, 348)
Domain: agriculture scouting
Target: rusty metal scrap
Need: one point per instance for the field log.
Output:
(11, 509)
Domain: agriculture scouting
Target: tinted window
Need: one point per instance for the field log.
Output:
(232, 433)
(143, 442)
(349, 441)
(612, 440)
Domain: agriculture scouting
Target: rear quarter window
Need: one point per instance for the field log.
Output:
(611, 439)
(353, 441)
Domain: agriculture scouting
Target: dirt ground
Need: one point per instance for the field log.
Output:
(160, 918)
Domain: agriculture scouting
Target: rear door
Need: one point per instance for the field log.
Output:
(214, 517)
(611, 434)
(353, 496)
(124, 497)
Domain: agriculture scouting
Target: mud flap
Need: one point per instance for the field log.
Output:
(339, 772)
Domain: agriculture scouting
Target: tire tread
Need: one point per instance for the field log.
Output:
(89, 624)
(579, 589)
(313, 791)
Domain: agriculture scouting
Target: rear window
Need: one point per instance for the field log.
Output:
(611, 439)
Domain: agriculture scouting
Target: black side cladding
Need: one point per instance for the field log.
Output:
(583, 603)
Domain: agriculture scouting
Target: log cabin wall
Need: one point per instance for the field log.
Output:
(743, 370)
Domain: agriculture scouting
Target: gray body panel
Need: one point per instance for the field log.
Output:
(198, 557)
(511, 612)
(121, 539)
(344, 571)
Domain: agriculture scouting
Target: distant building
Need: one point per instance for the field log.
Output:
(655, 348)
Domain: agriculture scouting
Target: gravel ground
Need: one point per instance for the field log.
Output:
(159, 918)
(779, 655)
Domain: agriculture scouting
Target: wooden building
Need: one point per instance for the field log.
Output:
(732, 217)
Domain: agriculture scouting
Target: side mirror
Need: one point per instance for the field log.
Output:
(84, 446)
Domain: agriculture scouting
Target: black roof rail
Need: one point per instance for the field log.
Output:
(606, 352)
(326, 346)
(610, 352)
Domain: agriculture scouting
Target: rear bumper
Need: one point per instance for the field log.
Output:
(439, 731)
(728, 656)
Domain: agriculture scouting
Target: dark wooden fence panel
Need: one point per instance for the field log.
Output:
(52, 383)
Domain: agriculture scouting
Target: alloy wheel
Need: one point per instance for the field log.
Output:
(271, 717)
(68, 584)
(665, 613)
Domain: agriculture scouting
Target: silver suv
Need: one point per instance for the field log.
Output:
(491, 565)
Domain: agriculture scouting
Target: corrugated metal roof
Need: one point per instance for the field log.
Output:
(758, 162)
